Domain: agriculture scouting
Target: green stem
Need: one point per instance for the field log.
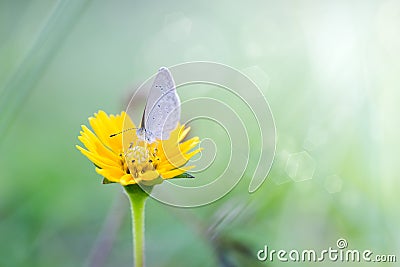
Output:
(137, 198)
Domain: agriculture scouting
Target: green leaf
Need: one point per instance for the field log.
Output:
(184, 175)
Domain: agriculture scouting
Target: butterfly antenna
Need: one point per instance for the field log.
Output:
(112, 135)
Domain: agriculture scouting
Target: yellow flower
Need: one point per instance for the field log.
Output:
(127, 159)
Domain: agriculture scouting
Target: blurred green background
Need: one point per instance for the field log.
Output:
(329, 70)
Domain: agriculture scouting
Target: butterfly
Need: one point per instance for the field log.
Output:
(162, 111)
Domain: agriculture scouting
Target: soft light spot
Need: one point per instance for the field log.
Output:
(300, 166)
(333, 184)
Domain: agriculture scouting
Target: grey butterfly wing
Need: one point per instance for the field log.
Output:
(162, 112)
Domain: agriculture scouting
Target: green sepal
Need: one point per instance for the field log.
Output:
(184, 175)
(106, 181)
(153, 182)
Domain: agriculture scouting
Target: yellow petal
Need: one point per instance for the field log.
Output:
(127, 179)
(111, 174)
(175, 172)
(149, 175)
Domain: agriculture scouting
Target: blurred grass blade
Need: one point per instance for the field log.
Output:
(17, 88)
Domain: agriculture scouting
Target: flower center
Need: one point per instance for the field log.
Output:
(141, 157)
